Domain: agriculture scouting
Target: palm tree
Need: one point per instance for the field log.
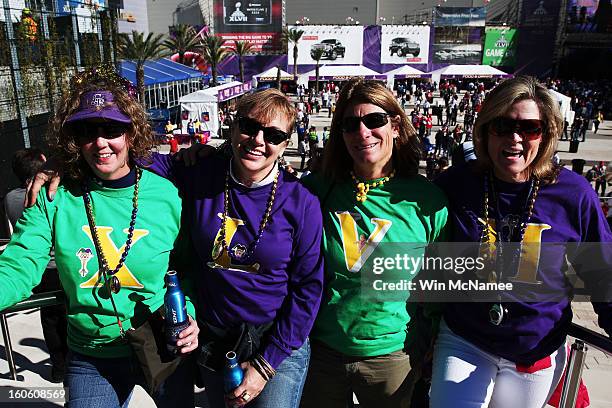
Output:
(278, 77)
(293, 35)
(182, 39)
(242, 48)
(140, 50)
(214, 53)
(316, 55)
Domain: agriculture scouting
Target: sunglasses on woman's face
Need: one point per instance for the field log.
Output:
(84, 130)
(271, 135)
(529, 129)
(372, 121)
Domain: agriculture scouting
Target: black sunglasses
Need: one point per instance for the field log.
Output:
(529, 129)
(372, 120)
(89, 130)
(251, 127)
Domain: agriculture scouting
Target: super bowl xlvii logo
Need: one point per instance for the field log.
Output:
(237, 15)
(98, 100)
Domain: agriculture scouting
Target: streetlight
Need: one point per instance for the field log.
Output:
(302, 20)
(350, 20)
(382, 20)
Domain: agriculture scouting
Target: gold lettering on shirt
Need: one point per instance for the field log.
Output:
(357, 249)
(220, 257)
(113, 255)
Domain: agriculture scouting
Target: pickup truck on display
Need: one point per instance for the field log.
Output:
(404, 46)
(332, 48)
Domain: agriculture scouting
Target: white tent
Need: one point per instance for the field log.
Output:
(339, 73)
(204, 104)
(403, 72)
(467, 71)
(270, 75)
(564, 105)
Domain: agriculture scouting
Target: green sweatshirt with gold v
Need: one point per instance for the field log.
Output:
(92, 323)
(399, 217)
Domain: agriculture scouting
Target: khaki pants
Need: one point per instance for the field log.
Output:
(379, 382)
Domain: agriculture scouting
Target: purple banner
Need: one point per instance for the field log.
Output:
(253, 65)
(536, 37)
(232, 92)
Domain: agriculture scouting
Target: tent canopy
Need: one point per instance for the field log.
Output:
(405, 71)
(158, 72)
(270, 75)
(468, 71)
(218, 93)
(564, 105)
(340, 73)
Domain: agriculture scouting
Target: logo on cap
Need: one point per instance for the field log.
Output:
(98, 100)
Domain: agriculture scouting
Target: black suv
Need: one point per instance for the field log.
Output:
(404, 46)
(332, 49)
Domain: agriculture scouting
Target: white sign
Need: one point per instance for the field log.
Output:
(16, 6)
(85, 22)
(404, 44)
(341, 45)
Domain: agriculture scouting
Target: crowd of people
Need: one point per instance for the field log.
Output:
(278, 268)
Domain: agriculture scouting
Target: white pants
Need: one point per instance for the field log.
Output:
(465, 376)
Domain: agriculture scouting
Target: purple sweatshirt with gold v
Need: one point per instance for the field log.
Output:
(567, 221)
(282, 282)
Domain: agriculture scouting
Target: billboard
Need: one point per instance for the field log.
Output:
(341, 45)
(458, 45)
(257, 21)
(460, 16)
(64, 6)
(500, 47)
(538, 24)
(589, 16)
(404, 44)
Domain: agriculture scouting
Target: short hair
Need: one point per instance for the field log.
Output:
(266, 105)
(499, 101)
(26, 163)
(62, 142)
(337, 162)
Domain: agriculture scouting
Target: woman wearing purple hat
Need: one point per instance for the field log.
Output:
(112, 248)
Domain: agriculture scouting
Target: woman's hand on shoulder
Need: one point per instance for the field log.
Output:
(49, 175)
(252, 385)
(193, 154)
(188, 338)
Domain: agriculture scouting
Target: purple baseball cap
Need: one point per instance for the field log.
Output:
(99, 104)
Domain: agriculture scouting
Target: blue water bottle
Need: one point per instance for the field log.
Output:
(232, 372)
(175, 311)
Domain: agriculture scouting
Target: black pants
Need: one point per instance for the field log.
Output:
(53, 321)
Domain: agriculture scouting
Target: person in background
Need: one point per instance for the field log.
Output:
(25, 164)
(313, 141)
(599, 118)
(600, 178)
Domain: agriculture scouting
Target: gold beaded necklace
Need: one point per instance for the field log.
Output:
(240, 252)
(363, 187)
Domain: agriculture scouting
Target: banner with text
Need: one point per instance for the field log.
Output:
(404, 44)
(460, 16)
(458, 45)
(500, 47)
(340, 45)
(259, 22)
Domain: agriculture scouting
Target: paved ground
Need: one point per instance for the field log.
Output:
(32, 358)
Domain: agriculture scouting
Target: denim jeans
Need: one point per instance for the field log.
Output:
(284, 390)
(108, 383)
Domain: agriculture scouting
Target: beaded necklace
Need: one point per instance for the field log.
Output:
(114, 283)
(363, 187)
(498, 311)
(240, 252)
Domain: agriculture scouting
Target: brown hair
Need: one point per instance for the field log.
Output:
(499, 102)
(265, 105)
(337, 162)
(65, 149)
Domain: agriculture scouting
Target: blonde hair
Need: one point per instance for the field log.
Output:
(265, 105)
(499, 102)
(62, 142)
(337, 162)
